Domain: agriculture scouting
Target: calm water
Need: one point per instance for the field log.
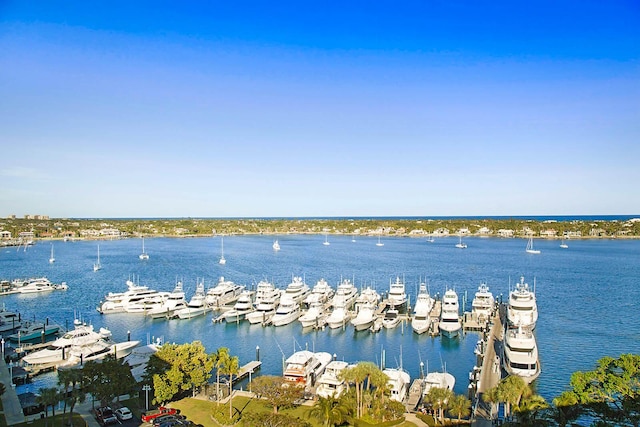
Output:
(587, 295)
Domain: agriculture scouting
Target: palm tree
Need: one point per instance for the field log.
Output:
(565, 409)
(219, 359)
(356, 375)
(439, 399)
(511, 390)
(69, 379)
(231, 367)
(460, 406)
(48, 396)
(329, 411)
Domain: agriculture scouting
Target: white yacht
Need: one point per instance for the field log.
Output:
(242, 307)
(57, 351)
(225, 292)
(304, 367)
(391, 318)
(314, 316)
(529, 249)
(276, 246)
(450, 325)
(483, 303)
(461, 244)
(397, 296)
(329, 383)
(80, 354)
(399, 381)
(196, 306)
(143, 255)
(522, 309)
(117, 302)
(366, 306)
(421, 320)
(37, 285)
(147, 304)
(288, 311)
(345, 295)
(297, 290)
(139, 358)
(438, 380)
(521, 354)
(339, 316)
(266, 302)
(321, 293)
(174, 301)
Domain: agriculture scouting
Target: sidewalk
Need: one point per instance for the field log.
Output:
(12, 408)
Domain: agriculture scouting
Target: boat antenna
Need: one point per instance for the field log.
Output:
(283, 357)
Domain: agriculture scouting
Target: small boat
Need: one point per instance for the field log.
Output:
(52, 259)
(222, 260)
(391, 318)
(97, 266)
(461, 245)
(326, 240)
(379, 242)
(563, 245)
(143, 255)
(530, 249)
(276, 246)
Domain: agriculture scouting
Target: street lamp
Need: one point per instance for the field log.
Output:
(250, 372)
(11, 372)
(2, 342)
(146, 388)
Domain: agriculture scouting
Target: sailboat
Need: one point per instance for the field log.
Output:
(52, 258)
(326, 240)
(563, 245)
(379, 242)
(222, 260)
(143, 255)
(530, 249)
(276, 246)
(461, 245)
(97, 266)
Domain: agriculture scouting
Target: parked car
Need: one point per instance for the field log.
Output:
(149, 416)
(123, 413)
(105, 416)
(167, 418)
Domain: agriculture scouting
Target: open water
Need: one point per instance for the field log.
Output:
(587, 294)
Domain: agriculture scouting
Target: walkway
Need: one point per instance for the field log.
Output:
(12, 408)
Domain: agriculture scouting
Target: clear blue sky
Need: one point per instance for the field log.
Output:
(345, 108)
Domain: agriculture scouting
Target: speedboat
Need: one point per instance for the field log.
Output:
(31, 331)
(366, 306)
(297, 290)
(397, 296)
(314, 316)
(482, 304)
(450, 325)
(174, 301)
(242, 307)
(224, 293)
(196, 306)
(421, 313)
(522, 309)
(521, 354)
(58, 350)
(329, 383)
(266, 302)
(391, 318)
(117, 302)
(321, 293)
(288, 311)
(304, 367)
(398, 383)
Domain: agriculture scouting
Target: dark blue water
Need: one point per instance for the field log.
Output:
(587, 295)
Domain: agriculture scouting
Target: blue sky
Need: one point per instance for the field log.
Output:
(217, 109)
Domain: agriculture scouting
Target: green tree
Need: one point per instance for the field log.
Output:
(268, 419)
(219, 358)
(565, 409)
(459, 406)
(231, 367)
(275, 391)
(529, 410)
(439, 399)
(108, 379)
(71, 381)
(329, 411)
(48, 397)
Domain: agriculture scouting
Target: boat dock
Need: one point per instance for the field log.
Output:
(250, 367)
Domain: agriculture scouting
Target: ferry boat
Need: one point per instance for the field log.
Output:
(304, 367)
(329, 384)
(521, 354)
(522, 309)
(397, 297)
(421, 320)
(287, 312)
(483, 303)
(224, 293)
(450, 325)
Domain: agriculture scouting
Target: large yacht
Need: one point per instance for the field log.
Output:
(329, 384)
(304, 367)
(521, 354)
(339, 316)
(522, 309)
(450, 325)
(397, 296)
(58, 350)
(118, 302)
(438, 380)
(345, 295)
(314, 316)
(147, 304)
(80, 354)
(266, 302)
(297, 290)
(242, 307)
(37, 285)
(483, 303)
(366, 306)
(196, 306)
(421, 320)
(288, 311)
(398, 383)
(224, 293)
(174, 301)
(321, 293)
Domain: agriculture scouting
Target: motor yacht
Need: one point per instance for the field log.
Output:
(421, 320)
(287, 312)
(345, 295)
(399, 381)
(438, 380)
(483, 303)
(242, 307)
(80, 354)
(321, 293)
(450, 325)
(225, 292)
(118, 302)
(329, 384)
(266, 302)
(339, 316)
(196, 306)
(366, 306)
(397, 296)
(150, 303)
(522, 309)
(314, 316)
(38, 285)
(521, 354)
(297, 290)
(174, 301)
(32, 331)
(304, 367)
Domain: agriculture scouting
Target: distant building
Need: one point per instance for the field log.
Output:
(5, 234)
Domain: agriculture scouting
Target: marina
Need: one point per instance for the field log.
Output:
(496, 262)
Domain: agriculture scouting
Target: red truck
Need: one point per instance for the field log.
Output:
(149, 416)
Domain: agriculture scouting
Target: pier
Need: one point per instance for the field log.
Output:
(250, 367)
